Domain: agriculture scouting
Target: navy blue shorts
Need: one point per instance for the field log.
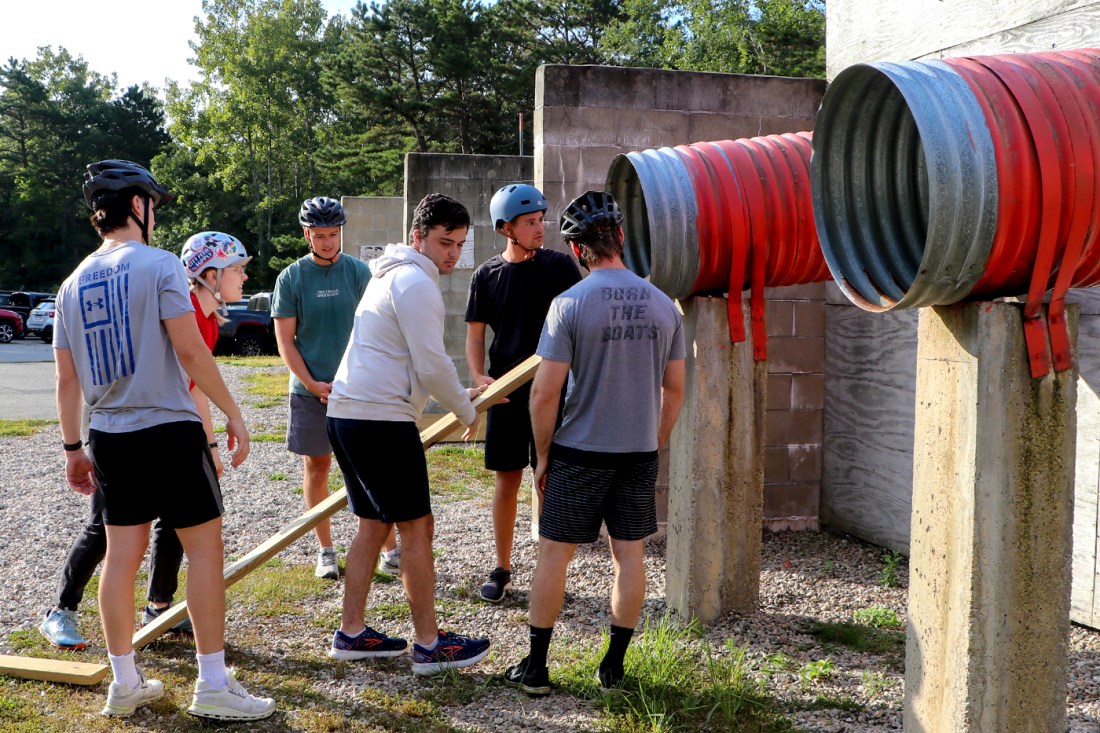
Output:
(384, 468)
(165, 471)
(584, 488)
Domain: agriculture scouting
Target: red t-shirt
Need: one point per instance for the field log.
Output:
(208, 327)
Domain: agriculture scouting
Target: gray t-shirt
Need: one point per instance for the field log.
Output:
(109, 314)
(618, 333)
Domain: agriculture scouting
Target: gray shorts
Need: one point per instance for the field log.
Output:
(306, 432)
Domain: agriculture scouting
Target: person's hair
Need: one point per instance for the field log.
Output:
(600, 243)
(437, 209)
(114, 211)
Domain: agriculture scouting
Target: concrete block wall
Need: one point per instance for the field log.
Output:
(472, 179)
(372, 223)
(586, 115)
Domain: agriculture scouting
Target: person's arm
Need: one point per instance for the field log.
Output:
(475, 353)
(672, 396)
(199, 364)
(202, 405)
(545, 396)
(79, 472)
(285, 331)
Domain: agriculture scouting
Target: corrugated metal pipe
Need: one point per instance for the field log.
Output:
(721, 217)
(970, 178)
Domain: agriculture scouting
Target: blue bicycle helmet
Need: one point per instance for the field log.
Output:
(512, 201)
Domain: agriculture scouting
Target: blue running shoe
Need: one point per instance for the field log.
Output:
(370, 643)
(60, 628)
(452, 651)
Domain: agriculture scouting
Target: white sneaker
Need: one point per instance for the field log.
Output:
(231, 702)
(122, 702)
(389, 561)
(327, 567)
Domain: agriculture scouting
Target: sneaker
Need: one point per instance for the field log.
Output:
(500, 580)
(327, 567)
(609, 679)
(122, 702)
(452, 652)
(370, 643)
(150, 613)
(535, 681)
(389, 561)
(231, 702)
(60, 628)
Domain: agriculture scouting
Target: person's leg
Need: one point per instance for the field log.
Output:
(627, 597)
(315, 490)
(87, 551)
(165, 557)
(418, 576)
(548, 582)
(205, 583)
(358, 573)
(125, 550)
(504, 514)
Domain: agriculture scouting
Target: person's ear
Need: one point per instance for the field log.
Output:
(576, 250)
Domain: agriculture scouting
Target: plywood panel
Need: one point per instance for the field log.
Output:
(1084, 603)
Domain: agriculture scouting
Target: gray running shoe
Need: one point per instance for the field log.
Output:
(231, 702)
(121, 702)
(327, 566)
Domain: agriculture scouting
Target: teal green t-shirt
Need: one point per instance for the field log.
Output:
(323, 299)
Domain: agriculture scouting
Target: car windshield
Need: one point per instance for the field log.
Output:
(44, 306)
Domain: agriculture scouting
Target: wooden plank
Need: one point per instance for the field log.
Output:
(53, 670)
(336, 501)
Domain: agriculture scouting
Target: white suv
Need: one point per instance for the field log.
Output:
(40, 321)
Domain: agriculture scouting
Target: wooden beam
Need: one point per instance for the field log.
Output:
(53, 670)
(89, 674)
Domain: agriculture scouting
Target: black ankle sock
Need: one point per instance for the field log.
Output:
(540, 645)
(616, 649)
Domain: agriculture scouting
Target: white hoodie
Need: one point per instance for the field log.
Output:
(396, 357)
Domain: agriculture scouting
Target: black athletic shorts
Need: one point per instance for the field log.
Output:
(584, 488)
(165, 471)
(384, 468)
(509, 444)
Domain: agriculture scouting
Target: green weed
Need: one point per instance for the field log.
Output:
(879, 617)
(23, 428)
(891, 567)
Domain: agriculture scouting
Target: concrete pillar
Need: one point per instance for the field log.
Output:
(987, 648)
(716, 471)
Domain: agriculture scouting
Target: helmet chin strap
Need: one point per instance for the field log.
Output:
(215, 288)
(143, 225)
(329, 260)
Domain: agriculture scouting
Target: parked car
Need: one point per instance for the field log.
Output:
(250, 330)
(40, 322)
(11, 325)
(23, 302)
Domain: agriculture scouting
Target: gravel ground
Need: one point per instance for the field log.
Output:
(805, 576)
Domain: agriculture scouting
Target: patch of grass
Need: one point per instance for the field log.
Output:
(390, 611)
(833, 702)
(276, 477)
(875, 683)
(891, 568)
(458, 472)
(827, 567)
(878, 616)
(255, 362)
(335, 478)
(268, 437)
(23, 428)
(276, 590)
(267, 403)
(858, 637)
(266, 384)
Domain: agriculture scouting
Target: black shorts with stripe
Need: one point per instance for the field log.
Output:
(165, 471)
(584, 488)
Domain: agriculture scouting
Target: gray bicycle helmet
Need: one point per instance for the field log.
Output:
(321, 211)
(111, 176)
(512, 201)
(588, 211)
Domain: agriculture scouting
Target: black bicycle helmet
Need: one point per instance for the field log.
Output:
(588, 211)
(111, 176)
(321, 211)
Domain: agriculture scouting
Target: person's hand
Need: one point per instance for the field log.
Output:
(471, 429)
(322, 390)
(475, 392)
(238, 440)
(79, 472)
(540, 479)
(483, 380)
(218, 465)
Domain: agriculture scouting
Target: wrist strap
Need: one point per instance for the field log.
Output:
(213, 445)
(72, 446)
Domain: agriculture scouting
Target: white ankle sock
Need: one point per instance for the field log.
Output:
(212, 669)
(125, 670)
(432, 646)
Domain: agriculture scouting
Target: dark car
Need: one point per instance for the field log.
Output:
(11, 325)
(24, 301)
(249, 330)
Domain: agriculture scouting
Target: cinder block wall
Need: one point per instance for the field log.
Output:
(372, 222)
(472, 179)
(586, 115)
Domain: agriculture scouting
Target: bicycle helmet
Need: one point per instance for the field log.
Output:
(111, 176)
(212, 249)
(321, 211)
(587, 212)
(512, 201)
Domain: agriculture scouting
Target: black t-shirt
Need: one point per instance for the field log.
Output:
(513, 298)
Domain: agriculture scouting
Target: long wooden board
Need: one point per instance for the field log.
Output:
(89, 674)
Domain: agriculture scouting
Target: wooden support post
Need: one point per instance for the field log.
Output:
(716, 471)
(88, 674)
(989, 583)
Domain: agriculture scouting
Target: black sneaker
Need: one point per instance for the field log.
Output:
(500, 580)
(609, 679)
(535, 681)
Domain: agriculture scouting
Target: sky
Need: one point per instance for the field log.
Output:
(138, 41)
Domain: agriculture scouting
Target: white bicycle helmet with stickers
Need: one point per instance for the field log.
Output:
(216, 250)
